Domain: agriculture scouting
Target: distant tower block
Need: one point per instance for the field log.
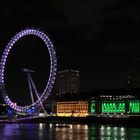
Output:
(68, 82)
(129, 82)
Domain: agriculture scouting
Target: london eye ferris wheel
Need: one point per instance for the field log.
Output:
(52, 74)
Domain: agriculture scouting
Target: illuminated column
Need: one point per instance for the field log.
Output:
(134, 106)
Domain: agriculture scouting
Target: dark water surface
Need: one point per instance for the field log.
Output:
(50, 131)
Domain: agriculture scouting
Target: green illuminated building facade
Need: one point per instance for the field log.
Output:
(92, 107)
(113, 107)
(119, 105)
(134, 106)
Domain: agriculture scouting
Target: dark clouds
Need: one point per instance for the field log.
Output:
(100, 37)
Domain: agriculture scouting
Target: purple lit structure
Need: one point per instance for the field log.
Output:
(53, 69)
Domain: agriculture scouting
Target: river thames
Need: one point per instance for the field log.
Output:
(51, 131)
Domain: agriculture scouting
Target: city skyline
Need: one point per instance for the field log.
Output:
(70, 69)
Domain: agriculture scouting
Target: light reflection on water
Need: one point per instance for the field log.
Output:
(50, 131)
(74, 132)
(114, 133)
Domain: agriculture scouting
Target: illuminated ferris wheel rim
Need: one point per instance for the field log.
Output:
(52, 75)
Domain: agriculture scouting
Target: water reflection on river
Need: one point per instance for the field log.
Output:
(50, 131)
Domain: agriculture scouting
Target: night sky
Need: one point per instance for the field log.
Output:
(100, 38)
